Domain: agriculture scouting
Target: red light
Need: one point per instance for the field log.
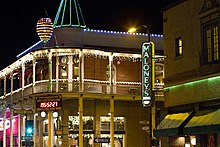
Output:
(48, 104)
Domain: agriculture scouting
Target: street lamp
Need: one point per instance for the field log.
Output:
(134, 29)
(148, 67)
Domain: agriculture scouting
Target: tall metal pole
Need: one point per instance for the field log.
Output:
(153, 105)
(152, 123)
(148, 32)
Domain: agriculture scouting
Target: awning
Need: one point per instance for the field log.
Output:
(203, 122)
(172, 124)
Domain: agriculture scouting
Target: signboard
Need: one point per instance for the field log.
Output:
(23, 111)
(49, 103)
(102, 140)
(147, 70)
(26, 137)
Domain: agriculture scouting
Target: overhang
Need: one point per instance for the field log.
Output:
(203, 122)
(172, 124)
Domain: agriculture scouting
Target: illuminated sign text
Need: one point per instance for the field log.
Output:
(48, 103)
(146, 73)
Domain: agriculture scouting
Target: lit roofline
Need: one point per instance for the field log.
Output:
(29, 49)
(24, 57)
(121, 33)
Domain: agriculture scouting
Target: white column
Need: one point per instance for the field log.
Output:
(4, 129)
(50, 71)
(22, 121)
(125, 135)
(11, 113)
(57, 73)
(34, 135)
(34, 71)
(111, 72)
(19, 130)
(4, 121)
(5, 87)
(70, 73)
(22, 77)
(81, 71)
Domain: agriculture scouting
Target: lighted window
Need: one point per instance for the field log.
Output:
(76, 72)
(74, 123)
(179, 47)
(215, 43)
(118, 123)
(210, 51)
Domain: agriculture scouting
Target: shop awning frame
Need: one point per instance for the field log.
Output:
(203, 122)
(173, 124)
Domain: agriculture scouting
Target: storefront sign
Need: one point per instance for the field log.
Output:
(146, 74)
(49, 103)
(101, 140)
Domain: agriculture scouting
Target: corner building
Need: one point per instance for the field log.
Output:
(191, 44)
(97, 75)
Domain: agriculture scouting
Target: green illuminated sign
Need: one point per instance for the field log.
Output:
(146, 74)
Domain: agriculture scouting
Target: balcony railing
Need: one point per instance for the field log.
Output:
(72, 86)
(87, 86)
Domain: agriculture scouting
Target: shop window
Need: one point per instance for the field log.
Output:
(118, 123)
(179, 47)
(45, 126)
(76, 72)
(74, 123)
(210, 51)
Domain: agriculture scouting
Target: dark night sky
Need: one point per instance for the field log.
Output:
(19, 18)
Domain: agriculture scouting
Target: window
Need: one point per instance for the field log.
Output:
(118, 123)
(74, 123)
(179, 47)
(210, 52)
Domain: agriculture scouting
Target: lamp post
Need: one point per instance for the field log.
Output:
(148, 32)
(134, 29)
(148, 97)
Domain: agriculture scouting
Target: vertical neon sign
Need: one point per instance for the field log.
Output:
(147, 73)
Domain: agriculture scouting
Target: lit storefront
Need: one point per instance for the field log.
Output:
(191, 93)
(90, 78)
(107, 82)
